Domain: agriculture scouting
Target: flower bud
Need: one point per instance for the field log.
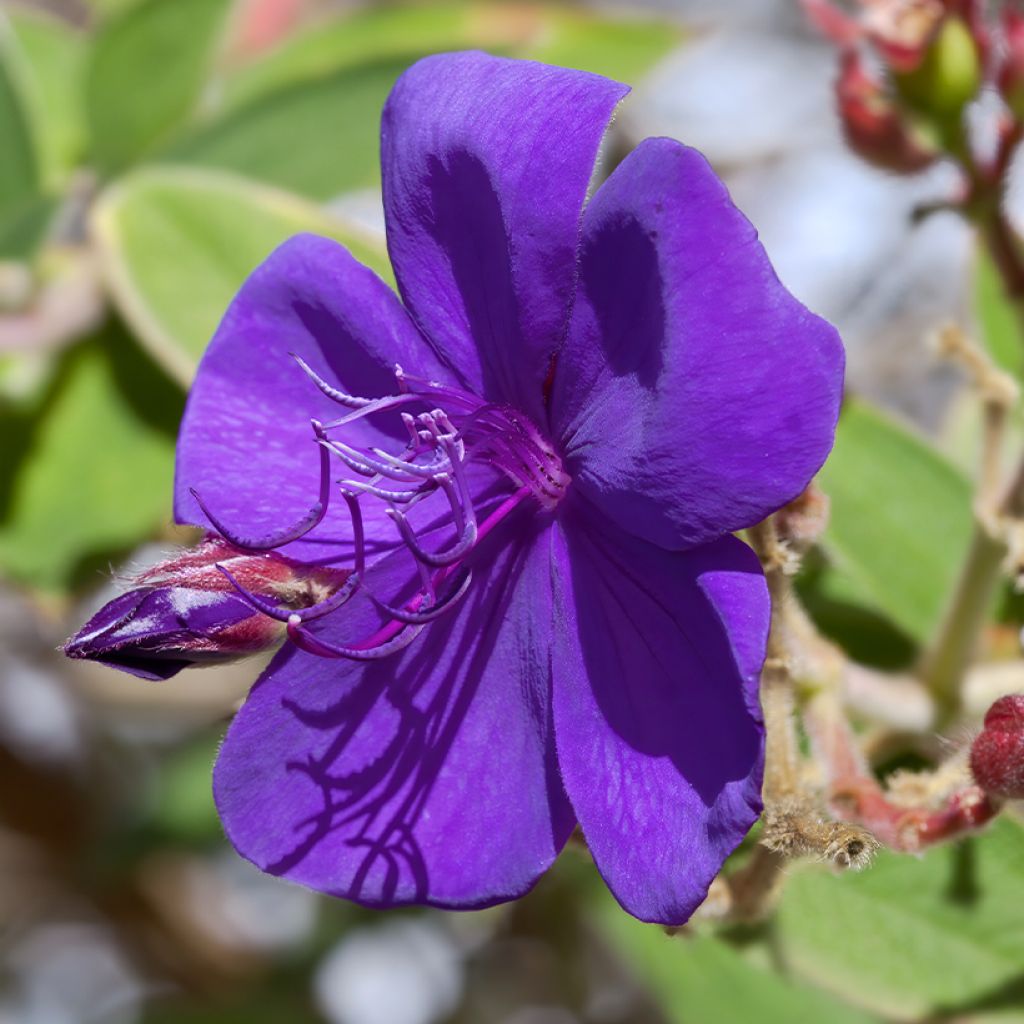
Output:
(186, 612)
(873, 125)
(903, 31)
(942, 83)
(997, 755)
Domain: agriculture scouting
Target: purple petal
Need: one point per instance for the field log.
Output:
(659, 731)
(246, 444)
(694, 395)
(486, 163)
(428, 777)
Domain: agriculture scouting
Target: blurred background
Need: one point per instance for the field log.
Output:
(152, 152)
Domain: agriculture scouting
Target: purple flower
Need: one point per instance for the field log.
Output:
(543, 450)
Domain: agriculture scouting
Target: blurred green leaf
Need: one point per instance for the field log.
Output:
(54, 63)
(623, 48)
(87, 474)
(614, 45)
(700, 979)
(319, 96)
(1001, 327)
(146, 73)
(178, 242)
(318, 137)
(913, 936)
(23, 227)
(184, 805)
(396, 34)
(19, 174)
(900, 519)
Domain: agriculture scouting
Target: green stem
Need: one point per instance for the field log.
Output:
(947, 660)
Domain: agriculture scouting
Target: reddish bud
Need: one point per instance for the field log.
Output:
(874, 126)
(997, 756)
(903, 30)
(185, 611)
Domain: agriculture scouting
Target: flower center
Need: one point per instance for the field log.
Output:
(452, 432)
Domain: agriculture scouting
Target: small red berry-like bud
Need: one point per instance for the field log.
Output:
(874, 126)
(997, 756)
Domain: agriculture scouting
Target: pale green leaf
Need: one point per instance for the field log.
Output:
(19, 176)
(900, 519)
(319, 96)
(146, 74)
(700, 979)
(319, 137)
(86, 475)
(177, 243)
(913, 935)
(1002, 329)
(53, 71)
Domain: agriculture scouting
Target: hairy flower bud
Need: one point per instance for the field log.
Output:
(874, 126)
(997, 756)
(187, 611)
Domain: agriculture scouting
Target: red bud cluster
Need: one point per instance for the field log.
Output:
(997, 756)
(874, 126)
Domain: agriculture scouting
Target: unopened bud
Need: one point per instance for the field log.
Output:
(997, 755)
(949, 75)
(903, 31)
(873, 125)
(186, 611)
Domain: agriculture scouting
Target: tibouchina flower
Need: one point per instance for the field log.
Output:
(531, 464)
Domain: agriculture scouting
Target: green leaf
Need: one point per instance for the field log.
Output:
(621, 48)
(87, 474)
(1002, 329)
(19, 174)
(319, 97)
(319, 137)
(146, 73)
(399, 34)
(177, 243)
(700, 979)
(54, 65)
(23, 227)
(912, 936)
(900, 520)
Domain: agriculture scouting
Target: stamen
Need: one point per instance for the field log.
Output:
(367, 651)
(351, 401)
(308, 522)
